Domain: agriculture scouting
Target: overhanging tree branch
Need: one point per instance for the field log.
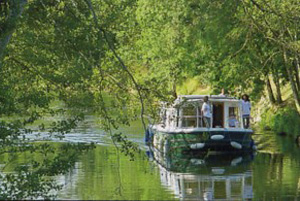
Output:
(111, 47)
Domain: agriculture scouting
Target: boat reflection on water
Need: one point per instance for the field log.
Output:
(207, 177)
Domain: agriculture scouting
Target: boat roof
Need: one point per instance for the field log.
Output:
(217, 98)
(209, 96)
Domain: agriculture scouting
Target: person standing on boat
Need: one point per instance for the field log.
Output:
(246, 108)
(205, 110)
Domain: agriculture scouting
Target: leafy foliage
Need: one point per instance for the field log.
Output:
(286, 121)
(127, 147)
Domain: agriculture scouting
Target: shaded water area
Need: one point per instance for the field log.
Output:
(273, 173)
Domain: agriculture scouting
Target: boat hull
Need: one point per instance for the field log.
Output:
(178, 143)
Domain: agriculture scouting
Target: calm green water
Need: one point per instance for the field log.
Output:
(273, 173)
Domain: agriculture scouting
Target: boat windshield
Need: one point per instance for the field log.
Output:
(190, 116)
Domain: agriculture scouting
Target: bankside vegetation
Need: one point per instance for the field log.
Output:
(119, 58)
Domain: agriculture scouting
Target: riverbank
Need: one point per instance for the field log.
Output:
(283, 119)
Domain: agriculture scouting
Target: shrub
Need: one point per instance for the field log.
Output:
(286, 120)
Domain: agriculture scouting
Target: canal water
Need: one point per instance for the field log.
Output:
(273, 173)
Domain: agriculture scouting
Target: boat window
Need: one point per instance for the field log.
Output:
(189, 116)
(234, 117)
(189, 111)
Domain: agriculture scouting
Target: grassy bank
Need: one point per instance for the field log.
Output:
(282, 119)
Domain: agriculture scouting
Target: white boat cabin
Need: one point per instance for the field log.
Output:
(186, 112)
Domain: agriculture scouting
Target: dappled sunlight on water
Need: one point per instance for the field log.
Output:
(90, 131)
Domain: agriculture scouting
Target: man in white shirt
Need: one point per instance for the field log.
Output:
(206, 113)
(246, 108)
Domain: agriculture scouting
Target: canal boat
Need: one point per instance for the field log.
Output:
(182, 129)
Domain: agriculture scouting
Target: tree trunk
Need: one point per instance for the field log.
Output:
(291, 78)
(15, 11)
(277, 85)
(174, 89)
(3, 43)
(297, 66)
(270, 91)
